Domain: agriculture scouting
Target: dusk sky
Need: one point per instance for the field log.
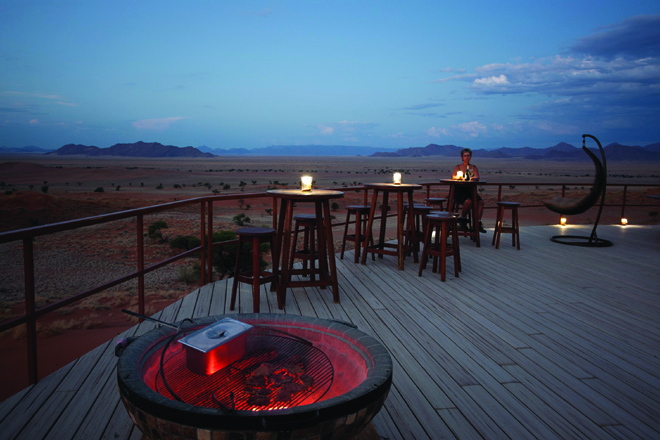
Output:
(386, 74)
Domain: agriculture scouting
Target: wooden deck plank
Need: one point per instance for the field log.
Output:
(551, 341)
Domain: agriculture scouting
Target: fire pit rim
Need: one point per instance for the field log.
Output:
(377, 382)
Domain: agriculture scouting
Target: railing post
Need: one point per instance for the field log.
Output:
(140, 257)
(563, 190)
(499, 192)
(202, 242)
(31, 322)
(623, 202)
(209, 262)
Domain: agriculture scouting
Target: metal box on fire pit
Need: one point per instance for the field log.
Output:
(215, 346)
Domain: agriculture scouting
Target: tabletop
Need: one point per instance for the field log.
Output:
(463, 182)
(298, 194)
(393, 187)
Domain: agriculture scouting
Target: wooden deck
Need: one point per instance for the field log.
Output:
(549, 342)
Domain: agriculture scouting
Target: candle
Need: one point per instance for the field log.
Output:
(306, 182)
(459, 175)
(397, 178)
(562, 221)
(624, 221)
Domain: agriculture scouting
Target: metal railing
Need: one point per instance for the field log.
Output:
(205, 206)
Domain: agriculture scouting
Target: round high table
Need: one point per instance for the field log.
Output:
(326, 250)
(471, 185)
(379, 248)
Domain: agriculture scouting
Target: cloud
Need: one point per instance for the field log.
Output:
(156, 124)
(636, 37)
(422, 106)
(346, 128)
(492, 81)
(606, 77)
(462, 77)
(470, 129)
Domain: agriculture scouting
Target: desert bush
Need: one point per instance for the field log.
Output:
(241, 219)
(155, 230)
(99, 189)
(190, 274)
(224, 257)
(185, 242)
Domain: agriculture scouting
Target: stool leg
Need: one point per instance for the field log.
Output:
(425, 249)
(311, 245)
(436, 247)
(234, 285)
(343, 241)
(358, 236)
(500, 224)
(517, 226)
(256, 272)
(497, 222)
(443, 252)
(276, 276)
(456, 244)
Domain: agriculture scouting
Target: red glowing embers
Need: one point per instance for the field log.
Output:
(276, 371)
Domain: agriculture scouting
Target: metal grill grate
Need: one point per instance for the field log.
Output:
(227, 387)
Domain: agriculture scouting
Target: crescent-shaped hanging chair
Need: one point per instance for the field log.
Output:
(573, 206)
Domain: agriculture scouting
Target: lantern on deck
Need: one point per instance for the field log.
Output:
(562, 221)
(397, 178)
(459, 175)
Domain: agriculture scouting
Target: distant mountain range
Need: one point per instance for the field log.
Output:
(295, 150)
(561, 151)
(138, 149)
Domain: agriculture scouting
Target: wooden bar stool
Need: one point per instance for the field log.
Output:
(440, 248)
(256, 276)
(361, 212)
(514, 229)
(436, 201)
(309, 252)
(416, 228)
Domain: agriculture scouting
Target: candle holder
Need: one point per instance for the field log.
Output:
(624, 221)
(306, 183)
(397, 178)
(562, 221)
(459, 175)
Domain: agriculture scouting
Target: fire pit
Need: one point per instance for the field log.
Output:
(297, 377)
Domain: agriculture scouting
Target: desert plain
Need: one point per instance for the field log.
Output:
(43, 189)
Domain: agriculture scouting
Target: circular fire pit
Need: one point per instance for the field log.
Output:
(296, 377)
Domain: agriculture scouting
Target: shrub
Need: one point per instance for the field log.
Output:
(190, 274)
(185, 242)
(224, 257)
(155, 230)
(99, 189)
(241, 219)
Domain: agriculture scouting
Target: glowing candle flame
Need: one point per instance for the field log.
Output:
(624, 221)
(459, 175)
(397, 178)
(562, 221)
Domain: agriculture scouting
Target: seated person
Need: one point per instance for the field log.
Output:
(463, 194)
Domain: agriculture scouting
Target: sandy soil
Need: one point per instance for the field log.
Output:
(104, 252)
